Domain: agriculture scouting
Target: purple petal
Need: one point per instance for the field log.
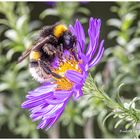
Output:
(54, 120)
(43, 123)
(35, 101)
(55, 101)
(61, 94)
(48, 122)
(35, 117)
(98, 56)
(74, 76)
(78, 92)
(55, 62)
(51, 3)
(36, 108)
(42, 90)
(79, 49)
(94, 32)
(72, 30)
(53, 111)
(47, 109)
(30, 103)
(40, 97)
(66, 54)
(84, 65)
(80, 34)
(78, 45)
(43, 96)
(57, 117)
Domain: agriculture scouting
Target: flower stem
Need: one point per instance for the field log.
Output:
(125, 113)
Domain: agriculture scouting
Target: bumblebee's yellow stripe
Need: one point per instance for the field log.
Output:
(34, 55)
(59, 30)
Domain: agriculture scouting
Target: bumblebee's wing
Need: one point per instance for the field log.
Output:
(36, 47)
(24, 55)
(43, 41)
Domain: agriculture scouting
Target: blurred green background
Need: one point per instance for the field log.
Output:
(19, 26)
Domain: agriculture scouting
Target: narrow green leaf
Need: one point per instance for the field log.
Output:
(48, 12)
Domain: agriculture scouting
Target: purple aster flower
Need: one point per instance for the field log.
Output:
(51, 3)
(47, 102)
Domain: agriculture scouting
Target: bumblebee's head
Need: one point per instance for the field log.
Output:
(64, 36)
(68, 40)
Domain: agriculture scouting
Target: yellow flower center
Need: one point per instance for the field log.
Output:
(69, 64)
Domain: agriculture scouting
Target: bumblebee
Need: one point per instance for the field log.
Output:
(62, 36)
(52, 41)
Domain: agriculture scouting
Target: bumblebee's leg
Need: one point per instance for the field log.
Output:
(48, 39)
(45, 67)
(74, 53)
(49, 49)
(53, 40)
(59, 51)
(61, 48)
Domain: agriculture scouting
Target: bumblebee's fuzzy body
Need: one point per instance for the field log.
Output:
(51, 39)
(39, 75)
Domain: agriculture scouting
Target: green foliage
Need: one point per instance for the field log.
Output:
(15, 80)
(66, 11)
(124, 56)
(17, 33)
(114, 109)
(122, 66)
(72, 116)
(126, 112)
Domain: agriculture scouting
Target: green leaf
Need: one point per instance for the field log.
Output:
(110, 114)
(4, 22)
(113, 34)
(127, 126)
(21, 23)
(78, 120)
(71, 129)
(12, 35)
(83, 20)
(48, 12)
(127, 21)
(118, 123)
(114, 22)
(83, 10)
(118, 94)
(9, 54)
(4, 86)
(119, 52)
(133, 45)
